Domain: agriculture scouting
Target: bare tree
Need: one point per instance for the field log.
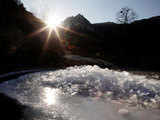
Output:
(126, 15)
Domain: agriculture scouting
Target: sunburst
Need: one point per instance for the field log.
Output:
(53, 21)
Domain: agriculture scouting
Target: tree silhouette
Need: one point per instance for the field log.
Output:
(126, 15)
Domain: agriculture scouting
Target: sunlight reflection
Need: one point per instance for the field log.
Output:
(51, 96)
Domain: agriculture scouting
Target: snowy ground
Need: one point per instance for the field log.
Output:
(86, 93)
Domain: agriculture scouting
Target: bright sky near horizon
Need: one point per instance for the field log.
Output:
(94, 10)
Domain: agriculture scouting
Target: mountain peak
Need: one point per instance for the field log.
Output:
(77, 22)
(79, 15)
(77, 19)
(81, 19)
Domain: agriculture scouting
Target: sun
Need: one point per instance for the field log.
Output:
(53, 21)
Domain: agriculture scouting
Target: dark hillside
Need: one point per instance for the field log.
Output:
(23, 40)
(132, 45)
(20, 42)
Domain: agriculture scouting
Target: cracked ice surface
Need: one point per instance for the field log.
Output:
(87, 81)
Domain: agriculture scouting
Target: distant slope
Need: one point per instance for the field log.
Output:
(127, 45)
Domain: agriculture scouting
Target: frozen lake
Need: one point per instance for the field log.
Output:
(86, 93)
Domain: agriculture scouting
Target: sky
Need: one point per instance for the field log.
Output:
(95, 11)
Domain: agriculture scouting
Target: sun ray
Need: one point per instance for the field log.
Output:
(37, 32)
(47, 39)
(58, 35)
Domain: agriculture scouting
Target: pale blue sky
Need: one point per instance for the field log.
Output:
(94, 10)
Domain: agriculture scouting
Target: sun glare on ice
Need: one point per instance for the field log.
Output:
(51, 96)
